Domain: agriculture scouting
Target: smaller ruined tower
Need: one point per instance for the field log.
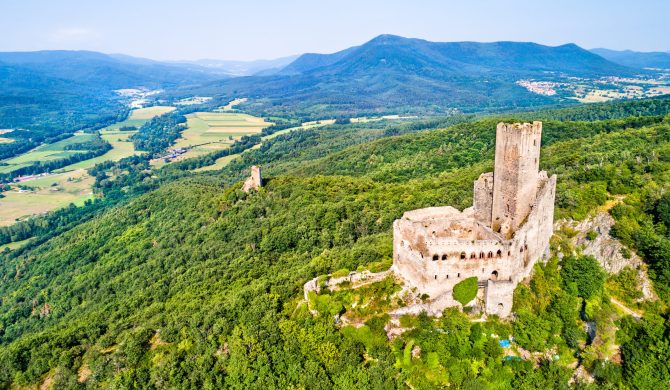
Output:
(516, 173)
(255, 181)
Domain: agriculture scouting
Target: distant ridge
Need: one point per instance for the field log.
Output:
(394, 74)
(636, 59)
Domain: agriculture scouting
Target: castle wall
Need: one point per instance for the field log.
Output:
(500, 297)
(517, 159)
(430, 256)
(483, 198)
(498, 240)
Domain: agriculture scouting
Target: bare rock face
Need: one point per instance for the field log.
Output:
(594, 236)
(594, 239)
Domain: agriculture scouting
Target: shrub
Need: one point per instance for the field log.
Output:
(582, 276)
(466, 290)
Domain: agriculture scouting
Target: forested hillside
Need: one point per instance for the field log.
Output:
(48, 95)
(197, 284)
(392, 74)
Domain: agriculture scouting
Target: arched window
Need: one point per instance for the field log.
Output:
(444, 257)
(481, 255)
(494, 275)
(435, 277)
(499, 253)
(436, 257)
(521, 250)
(462, 255)
(490, 256)
(458, 275)
(473, 255)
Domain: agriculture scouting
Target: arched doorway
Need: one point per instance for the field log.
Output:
(494, 275)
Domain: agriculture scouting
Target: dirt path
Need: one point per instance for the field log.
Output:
(626, 309)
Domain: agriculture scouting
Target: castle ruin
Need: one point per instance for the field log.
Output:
(497, 240)
(253, 182)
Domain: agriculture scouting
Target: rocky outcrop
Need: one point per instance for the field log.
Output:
(593, 239)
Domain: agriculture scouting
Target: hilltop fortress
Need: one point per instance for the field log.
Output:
(497, 240)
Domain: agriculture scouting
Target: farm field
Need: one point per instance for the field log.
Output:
(45, 194)
(70, 184)
(141, 115)
(50, 152)
(223, 161)
(14, 245)
(208, 132)
(122, 147)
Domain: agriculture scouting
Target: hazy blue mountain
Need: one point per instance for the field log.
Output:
(636, 59)
(102, 71)
(52, 93)
(309, 61)
(391, 73)
(458, 58)
(242, 68)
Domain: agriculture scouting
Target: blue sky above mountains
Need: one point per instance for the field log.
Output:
(254, 29)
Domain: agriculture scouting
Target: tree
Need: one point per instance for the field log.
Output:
(582, 276)
(466, 290)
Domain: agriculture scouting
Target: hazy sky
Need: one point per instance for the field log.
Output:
(254, 29)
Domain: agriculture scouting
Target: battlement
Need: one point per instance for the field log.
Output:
(530, 128)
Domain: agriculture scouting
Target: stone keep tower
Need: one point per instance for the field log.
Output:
(253, 182)
(516, 174)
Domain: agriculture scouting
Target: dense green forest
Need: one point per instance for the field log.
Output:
(181, 280)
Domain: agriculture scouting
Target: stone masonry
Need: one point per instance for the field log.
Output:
(498, 240)
(253, 182)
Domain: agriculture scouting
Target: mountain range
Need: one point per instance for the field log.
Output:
(388, 74)
(396, 74)
(636, 59)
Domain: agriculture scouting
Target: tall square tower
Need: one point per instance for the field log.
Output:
(516, 174)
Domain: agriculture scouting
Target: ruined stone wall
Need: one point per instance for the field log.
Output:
(500, 297)
(531, 241)
(517, 158)
(483, 198)
(429, 254)
(253, 182)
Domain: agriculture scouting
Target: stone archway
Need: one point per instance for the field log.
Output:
(494, 275)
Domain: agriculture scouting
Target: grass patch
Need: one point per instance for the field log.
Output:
(466, 291)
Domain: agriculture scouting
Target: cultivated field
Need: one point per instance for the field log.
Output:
(70, 184)
(122, 147)
(48, 152)
(45, 194)
(141, 115)
(211, 131)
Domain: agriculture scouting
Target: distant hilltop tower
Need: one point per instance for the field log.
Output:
(515, 178)
(253, 182)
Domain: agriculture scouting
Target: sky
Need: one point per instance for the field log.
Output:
(264, 29)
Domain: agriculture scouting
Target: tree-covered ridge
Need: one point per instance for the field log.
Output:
(196, 284)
